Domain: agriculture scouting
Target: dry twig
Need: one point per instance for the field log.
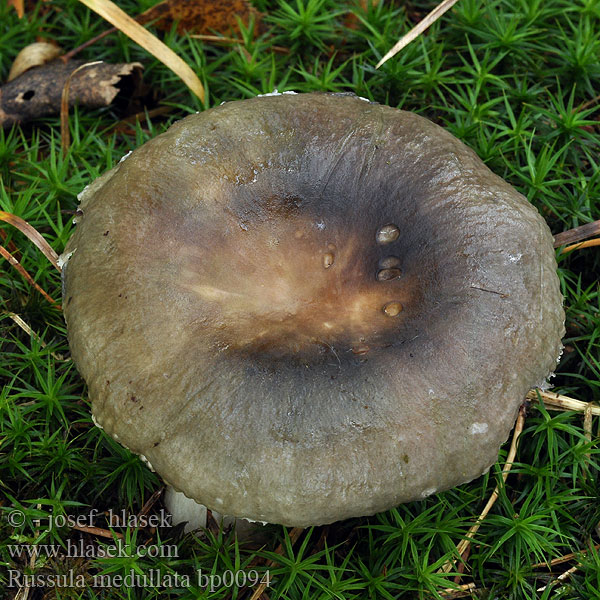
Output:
(149, 504)
(464, 545)
(19, 267)
(590, 103)
(39, 241)
(563, 559)
(577, 234)
(147, 508)
(558, 402)
(107, 533)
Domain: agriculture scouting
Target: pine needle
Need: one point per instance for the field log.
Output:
(418, 29)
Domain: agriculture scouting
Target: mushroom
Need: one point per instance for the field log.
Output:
(304, 308)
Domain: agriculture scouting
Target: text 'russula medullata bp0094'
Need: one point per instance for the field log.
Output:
(303, 308)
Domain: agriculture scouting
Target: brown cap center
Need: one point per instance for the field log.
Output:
(286, 286)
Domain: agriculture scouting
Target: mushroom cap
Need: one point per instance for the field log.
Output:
(304, 308)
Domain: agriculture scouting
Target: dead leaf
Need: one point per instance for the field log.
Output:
(34, 55)
(199, 16)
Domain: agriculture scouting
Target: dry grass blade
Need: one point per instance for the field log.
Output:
(33, 235)
(560, 578)
(23, 325)
(122, 21)
(19, 267)
(418, 29)
(19, 6)
(465, 590)
(577, 234)
(65, 136)
(559, 402)
(464, 545)
(578, 246)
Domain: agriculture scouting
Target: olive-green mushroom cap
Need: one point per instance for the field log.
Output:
(303, 308)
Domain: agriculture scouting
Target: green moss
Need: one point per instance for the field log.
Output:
(516, 80)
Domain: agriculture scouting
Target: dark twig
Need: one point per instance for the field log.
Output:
(577, 234)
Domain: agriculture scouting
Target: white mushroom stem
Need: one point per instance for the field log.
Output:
(182, 509)
(185, 510)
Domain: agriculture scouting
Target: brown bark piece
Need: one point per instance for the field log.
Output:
(37, 92)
